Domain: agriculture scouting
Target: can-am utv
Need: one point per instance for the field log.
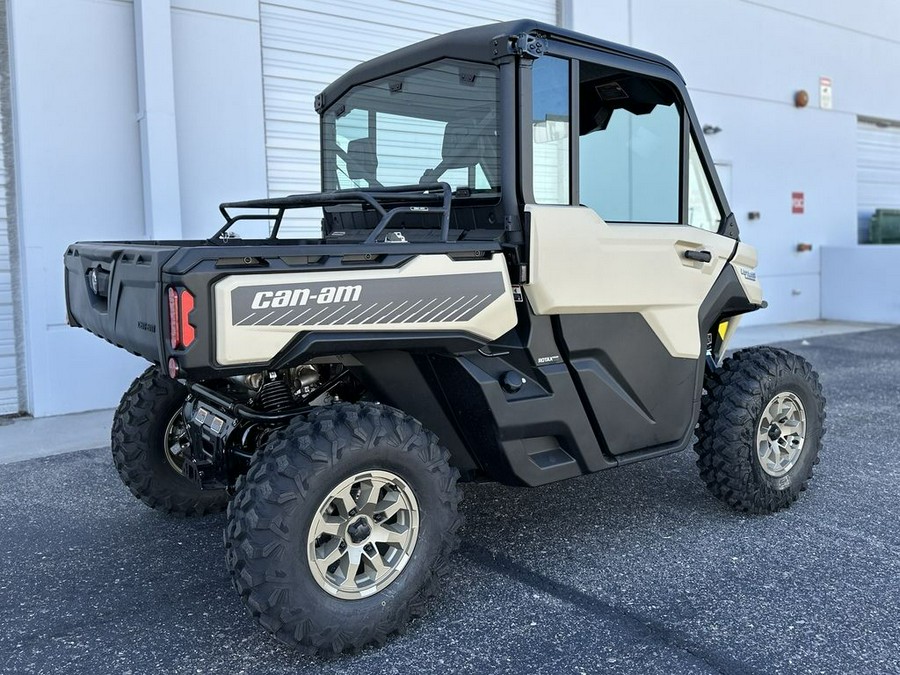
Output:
(527, 270)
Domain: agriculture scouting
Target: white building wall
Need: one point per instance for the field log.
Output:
(79, 167)
(219, 108)
(742, 61)
(859, 283)
(78, 174)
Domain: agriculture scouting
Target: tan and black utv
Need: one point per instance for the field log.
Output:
(526, 270)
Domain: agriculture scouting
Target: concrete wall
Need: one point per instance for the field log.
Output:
(743, 60)
(219, 108)
(859, 283)
(79, 175)
(79, 163)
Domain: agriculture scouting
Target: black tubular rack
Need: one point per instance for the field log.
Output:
(417, 194)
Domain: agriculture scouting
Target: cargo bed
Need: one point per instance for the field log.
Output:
(120, 290)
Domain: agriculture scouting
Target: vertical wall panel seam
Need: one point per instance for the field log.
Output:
(156, 106)
(262, 84)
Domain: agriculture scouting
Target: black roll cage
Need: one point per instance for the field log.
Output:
(514, 55)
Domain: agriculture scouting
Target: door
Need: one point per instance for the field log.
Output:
(625, 270)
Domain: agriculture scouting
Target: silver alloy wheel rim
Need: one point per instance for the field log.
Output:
(363, 534)
(781, 434)
(176, 431)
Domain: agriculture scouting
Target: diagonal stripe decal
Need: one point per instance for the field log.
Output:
(453, 298)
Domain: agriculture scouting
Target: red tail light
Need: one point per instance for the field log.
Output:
(181, 332)
(187, 330)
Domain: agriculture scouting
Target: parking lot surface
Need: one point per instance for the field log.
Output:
(635, 570)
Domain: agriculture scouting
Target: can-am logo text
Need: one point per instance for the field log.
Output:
(301, 296)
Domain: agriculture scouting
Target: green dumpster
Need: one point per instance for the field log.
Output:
(885, 227)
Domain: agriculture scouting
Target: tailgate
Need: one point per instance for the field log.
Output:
(113, 290)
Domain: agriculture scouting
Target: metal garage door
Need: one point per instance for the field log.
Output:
(308, 43)
(9, 379)
(878, 169)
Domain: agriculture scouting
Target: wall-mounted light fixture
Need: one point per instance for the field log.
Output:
(801, 98)
(711, 130)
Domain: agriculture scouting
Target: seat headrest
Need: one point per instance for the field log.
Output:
(465, 144)
(362, 160)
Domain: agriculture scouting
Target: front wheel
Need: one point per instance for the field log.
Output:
(341, 527)
(760, 429)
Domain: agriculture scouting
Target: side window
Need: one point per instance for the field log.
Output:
(550, 130)
(703, 211)
(630, 147)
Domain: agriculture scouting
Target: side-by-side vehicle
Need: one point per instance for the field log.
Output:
(523, 268)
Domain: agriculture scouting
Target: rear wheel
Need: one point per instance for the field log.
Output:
(147, 436)
(760, 429)
(343, 524)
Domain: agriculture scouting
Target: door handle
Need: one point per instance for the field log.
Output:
(700, 256)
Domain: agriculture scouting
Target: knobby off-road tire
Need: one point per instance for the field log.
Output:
(277, 511)
(758, 390)
(139, 449)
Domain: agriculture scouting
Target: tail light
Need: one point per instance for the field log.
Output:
(181, 331)
(187, 330)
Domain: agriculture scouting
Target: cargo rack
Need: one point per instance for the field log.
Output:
(404, 193)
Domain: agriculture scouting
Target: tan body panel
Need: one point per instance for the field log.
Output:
(744, 264)
(425, 294)
(582, 265)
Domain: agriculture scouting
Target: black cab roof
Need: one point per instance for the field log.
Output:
(472, 44)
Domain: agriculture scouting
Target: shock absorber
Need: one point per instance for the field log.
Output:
(275, 396)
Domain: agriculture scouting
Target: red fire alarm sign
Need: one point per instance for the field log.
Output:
(797, 202)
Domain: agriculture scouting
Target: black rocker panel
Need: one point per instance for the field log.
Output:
(640, 395)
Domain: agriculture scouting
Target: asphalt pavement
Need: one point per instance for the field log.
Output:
(635, 570)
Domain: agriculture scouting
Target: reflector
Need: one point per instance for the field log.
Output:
(174, 336)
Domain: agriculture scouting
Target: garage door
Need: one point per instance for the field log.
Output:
(9, 380)
(878, 169)
(308, 43)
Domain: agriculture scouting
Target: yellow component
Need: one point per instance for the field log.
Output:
(723, 328)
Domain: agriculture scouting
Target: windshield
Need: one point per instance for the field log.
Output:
(437, 122)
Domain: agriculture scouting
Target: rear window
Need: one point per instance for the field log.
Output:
(436, 122)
